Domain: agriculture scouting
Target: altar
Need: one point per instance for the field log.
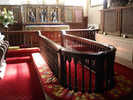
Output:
(47, 27)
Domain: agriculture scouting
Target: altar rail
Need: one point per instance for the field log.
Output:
(99, 62)
(30, 39)
(85, 33)
(22, 38)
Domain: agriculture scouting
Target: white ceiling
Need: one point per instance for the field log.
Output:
(4, 2)
(11, 2)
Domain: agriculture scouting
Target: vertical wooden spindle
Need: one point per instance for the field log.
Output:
(83, 81)
(76, 81)
(65, 72)
(70, 84)
(90, 77)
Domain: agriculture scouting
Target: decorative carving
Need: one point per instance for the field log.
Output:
(68, 14)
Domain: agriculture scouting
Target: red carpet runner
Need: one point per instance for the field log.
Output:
(20, 83)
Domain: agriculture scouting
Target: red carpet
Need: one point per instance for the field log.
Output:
(20, 83)
(79, 76)
(119, 69)
(123, 89)
(123, 70)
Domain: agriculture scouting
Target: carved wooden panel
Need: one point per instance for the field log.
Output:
(29, 15)
(42, 14)
(53, 35)
(110, 21)
(78, 14)
(68, 12)
(17, 13)
(73, 14)
(117, 21)
(127, 21)
(22, 38)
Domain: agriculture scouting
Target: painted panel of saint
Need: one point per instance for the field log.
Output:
(54, 15)
(32, 15)
(43, 15)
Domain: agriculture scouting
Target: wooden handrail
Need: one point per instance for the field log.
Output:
(101, 47)
(58, 56)
(53, 44)
(85, 33)
(29, 38)
(22, 38)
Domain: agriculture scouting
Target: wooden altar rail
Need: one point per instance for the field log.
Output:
(56, 35)
(53, 35)
(22, 38)
(85, 33)
(30, 39)
(82, 44)
(100, 62)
